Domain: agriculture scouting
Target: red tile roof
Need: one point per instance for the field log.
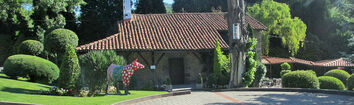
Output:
(275, 60)
(180, 31)
(335, 63)
(325, 63)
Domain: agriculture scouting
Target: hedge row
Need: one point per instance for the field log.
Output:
(35, 68)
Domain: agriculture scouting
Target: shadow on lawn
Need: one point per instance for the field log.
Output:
(1, 76)
(20, 90)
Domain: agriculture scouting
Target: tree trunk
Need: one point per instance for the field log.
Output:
(237, 43)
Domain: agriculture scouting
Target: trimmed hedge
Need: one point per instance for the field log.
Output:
(327, 82)
(284, 72)
(300, 79)
(261, 71)
(31, 47)
(36, 68)
(57, 40)
(285, 66)
(340, 74)
(350, 82)
(69, 69)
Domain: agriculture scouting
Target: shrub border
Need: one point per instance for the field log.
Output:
(325, 91)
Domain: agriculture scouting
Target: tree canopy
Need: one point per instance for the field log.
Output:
(199, 5)
(150, 7)
(276, 16)
(99, 19)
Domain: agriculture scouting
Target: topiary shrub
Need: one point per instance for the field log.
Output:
(285, 66)
(309, 71)
(284, 72)
(57, 40)
(340, 74)
(350, 82)
(69, 69)
(31, 47)
(300, 79)
(261, 71)
(327, 82)
(94, 67)
(36, 68)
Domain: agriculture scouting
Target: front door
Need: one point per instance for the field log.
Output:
(176, 71)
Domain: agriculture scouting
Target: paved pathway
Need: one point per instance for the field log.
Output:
(252, 98)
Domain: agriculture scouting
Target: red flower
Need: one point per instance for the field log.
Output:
(70, 89)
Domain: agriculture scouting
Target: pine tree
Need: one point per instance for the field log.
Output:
(69, 69)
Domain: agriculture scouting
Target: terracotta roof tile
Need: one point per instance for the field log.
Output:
(275, 60)
(335, 63)
(325, 63)
(180, 31)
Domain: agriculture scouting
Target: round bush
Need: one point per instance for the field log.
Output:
(350, 82)
(260, 74)
(36, 68)
(283, 72)
(285, 66)
(57, 40)
(300, 79)
(340, 74)
(31, 47)
(327, 82)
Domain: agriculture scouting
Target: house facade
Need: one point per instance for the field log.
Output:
(177, 46)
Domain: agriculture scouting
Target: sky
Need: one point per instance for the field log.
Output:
(168, 1)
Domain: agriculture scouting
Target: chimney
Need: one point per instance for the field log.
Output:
(127, 12)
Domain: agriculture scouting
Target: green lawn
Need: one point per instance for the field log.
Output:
(27, 92)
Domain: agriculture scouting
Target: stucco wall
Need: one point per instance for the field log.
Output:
(192, 66)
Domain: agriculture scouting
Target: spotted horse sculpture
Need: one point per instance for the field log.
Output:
(122, 73)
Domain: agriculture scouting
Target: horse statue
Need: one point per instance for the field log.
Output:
(122, 73)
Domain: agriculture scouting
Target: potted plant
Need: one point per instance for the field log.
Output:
(199, 85)
(169, 84)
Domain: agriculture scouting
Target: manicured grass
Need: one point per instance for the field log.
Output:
(27, 92)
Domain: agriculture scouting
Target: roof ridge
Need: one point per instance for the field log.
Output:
(335, 60)
(184, 13)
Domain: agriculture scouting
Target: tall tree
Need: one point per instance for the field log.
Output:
(15, 24)
(150, 6)
(99, 19)
(325, 37)
(70, 15)
(276, 16)
(47, 16)
(199, 5)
